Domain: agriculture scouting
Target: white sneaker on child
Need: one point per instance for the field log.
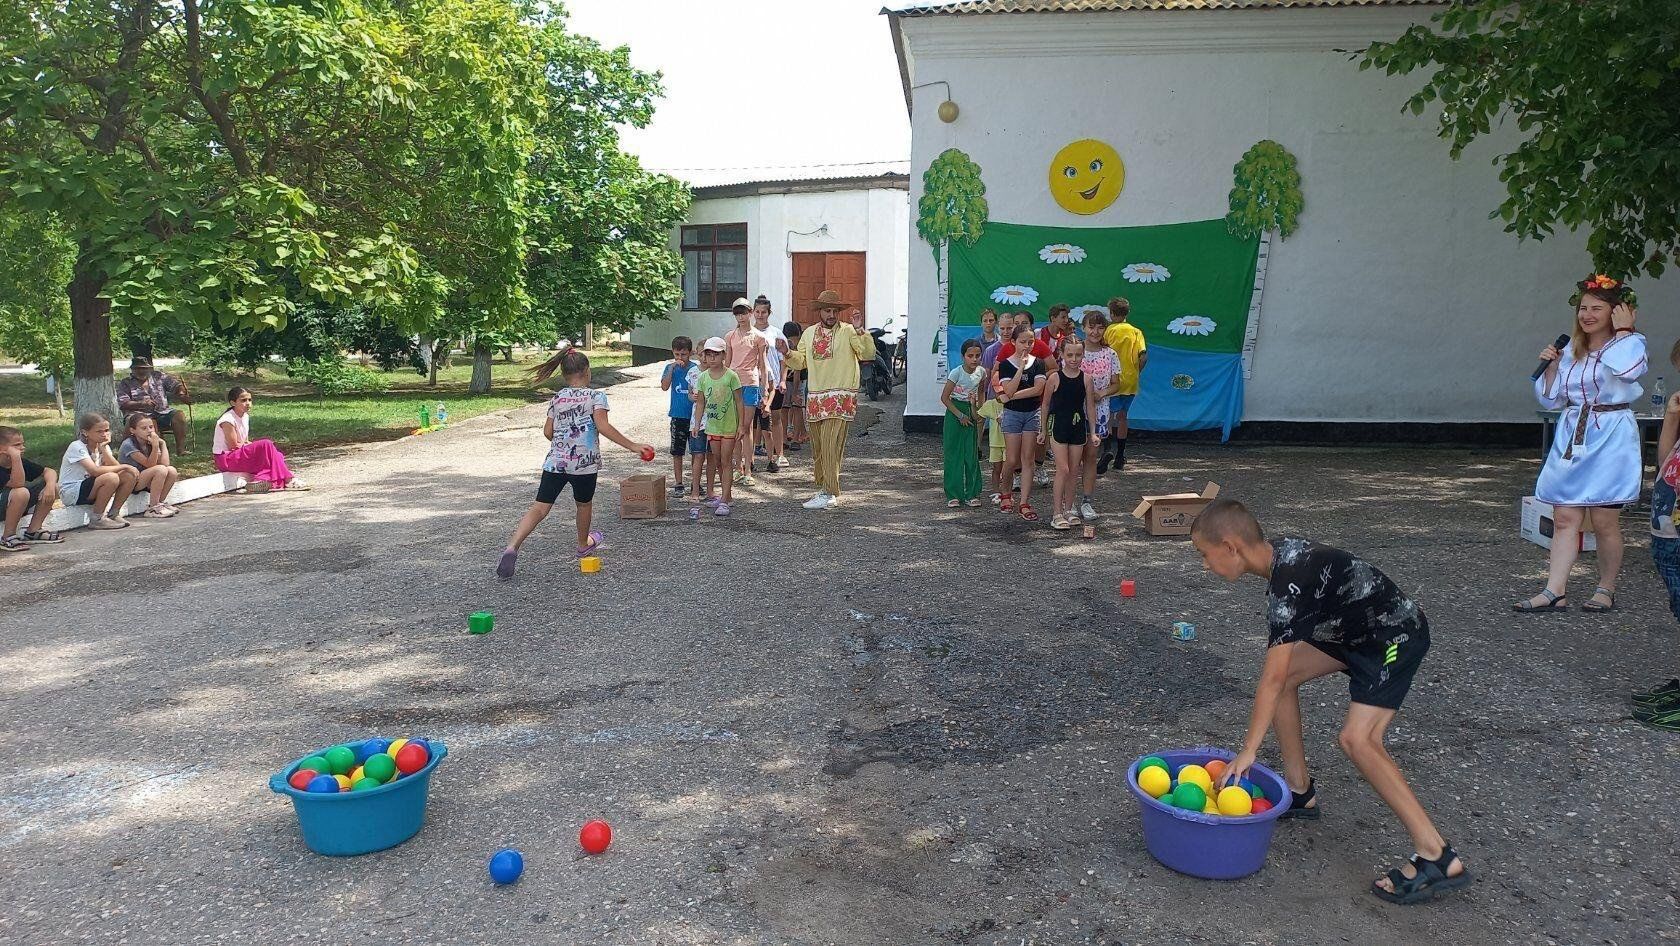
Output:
(1087, 511)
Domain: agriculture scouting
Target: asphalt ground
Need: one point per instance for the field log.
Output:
(892, 723)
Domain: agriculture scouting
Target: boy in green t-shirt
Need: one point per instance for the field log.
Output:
(719, 400)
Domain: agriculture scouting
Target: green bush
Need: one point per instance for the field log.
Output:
(337, 376)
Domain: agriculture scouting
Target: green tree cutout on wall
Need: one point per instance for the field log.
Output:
(1267, 192)
(953, 204)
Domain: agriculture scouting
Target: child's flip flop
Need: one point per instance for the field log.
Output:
(595, 540)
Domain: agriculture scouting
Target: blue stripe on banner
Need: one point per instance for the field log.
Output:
(1208, 391)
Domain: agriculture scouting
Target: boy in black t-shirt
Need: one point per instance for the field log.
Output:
(1331, 612)
(23, 483)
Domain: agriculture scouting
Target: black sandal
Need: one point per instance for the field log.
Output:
(1553, 603)
(1298, 803)
(1595, 608)
(1429, 880)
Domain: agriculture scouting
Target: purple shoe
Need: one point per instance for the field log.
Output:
(595, 540)
(504, 568)
(721, 510)
(712, 501)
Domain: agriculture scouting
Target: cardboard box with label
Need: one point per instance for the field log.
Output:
(1174, 513)
(641, 496)
(1537, 526)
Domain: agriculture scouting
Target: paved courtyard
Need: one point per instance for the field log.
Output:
(892, 724)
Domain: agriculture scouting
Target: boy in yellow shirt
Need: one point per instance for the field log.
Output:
(1127, 342)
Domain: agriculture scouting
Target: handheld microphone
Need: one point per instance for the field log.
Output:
(1562, 340)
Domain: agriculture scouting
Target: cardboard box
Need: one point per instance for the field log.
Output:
(1537, 526)
(641, 496)
(1174, 513)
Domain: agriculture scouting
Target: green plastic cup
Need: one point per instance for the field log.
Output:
(480, 622)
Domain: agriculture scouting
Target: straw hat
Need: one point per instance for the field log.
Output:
(829, 299)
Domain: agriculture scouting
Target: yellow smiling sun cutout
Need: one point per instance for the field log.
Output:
(1086, 176)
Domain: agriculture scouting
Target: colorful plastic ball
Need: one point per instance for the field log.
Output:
(323, 784)
(371, 748)
(423, 743)
(1235, 802)
(595, 836)
(364, 784)
(1215, 769)
(343, 782)
(1197, 775)
(380, 768)
(1261, 804)
(1154, 780)
(395, 747)
(1153, 761)
(412, 758)
(340, 759)
(301, 778)
(355, 773)
(1254, 791)
(1210, 808)
(315, 764)
(1189, 796)
(506, 865)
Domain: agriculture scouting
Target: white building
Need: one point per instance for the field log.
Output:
(788, 234)
(1396, 301)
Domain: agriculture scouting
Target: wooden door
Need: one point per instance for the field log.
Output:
(814, 272)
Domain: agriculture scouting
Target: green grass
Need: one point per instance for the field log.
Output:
(291, 414)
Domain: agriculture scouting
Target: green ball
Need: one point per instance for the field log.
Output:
(379, 767)
(363, 784)
(1189, 796)
(1255, 792)
(340, 759)
(315, 764)
(1156, 761)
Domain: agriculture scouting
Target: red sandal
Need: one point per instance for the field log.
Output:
(1008, 504)
(1027, 512)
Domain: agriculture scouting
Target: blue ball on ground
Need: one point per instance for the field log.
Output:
(506, 865)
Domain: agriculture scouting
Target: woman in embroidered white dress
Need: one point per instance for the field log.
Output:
(1593, 467)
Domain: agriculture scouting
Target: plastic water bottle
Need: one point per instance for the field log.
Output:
(442, 414)
(1659, 395)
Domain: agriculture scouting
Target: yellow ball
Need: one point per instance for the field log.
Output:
(1235, 802)
(1209, 809)
(1155, 781)
(343, 783)
(1196, 775)
(396, 744)
(356, 775)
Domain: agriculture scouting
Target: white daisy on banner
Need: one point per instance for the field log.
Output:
(1192, 325)
(1062, 253)
(1015, 295)
(1080, 312)
(1145, 272)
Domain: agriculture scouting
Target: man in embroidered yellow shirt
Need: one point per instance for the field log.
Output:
(1127, 342)
(830, 352)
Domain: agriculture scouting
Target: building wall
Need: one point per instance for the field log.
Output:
(872, 221)
(1396, 300)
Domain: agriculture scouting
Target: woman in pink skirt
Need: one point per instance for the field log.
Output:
(236, 452)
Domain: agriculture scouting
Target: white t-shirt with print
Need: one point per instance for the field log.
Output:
(71, 472)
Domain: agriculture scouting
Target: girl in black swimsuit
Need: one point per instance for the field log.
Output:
(1068, 416)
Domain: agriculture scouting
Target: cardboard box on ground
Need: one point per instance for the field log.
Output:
(1537, 526)
(1174, 513)
(641, 496)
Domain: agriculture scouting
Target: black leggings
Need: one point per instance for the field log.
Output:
(583, 486)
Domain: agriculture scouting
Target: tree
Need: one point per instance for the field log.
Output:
(1266, 192)
(34, 312)
(208, 155)
(953, 204)
(1593, 87)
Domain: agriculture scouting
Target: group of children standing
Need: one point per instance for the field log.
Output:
(1061, 393)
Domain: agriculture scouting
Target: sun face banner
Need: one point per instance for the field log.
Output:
(1190, 286)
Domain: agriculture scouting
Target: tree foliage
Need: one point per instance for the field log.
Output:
(1266, 193)
(1595, 90)
(953, 204)
(35, 262)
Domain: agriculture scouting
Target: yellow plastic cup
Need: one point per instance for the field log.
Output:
(589, 564)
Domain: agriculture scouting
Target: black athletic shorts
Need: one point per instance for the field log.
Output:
(1380, 674)
(779, 402)
(84, 493)
(679, 436)
(583, 486)
(762, 420)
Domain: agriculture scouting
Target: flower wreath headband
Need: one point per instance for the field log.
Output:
(1618, 290)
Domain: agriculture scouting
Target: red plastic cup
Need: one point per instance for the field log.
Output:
(1128, 588)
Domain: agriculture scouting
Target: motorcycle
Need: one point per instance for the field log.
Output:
(876, 379)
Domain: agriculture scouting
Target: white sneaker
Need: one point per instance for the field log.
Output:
(819, 501)
(833, 502)
(1087, 511)
(1042, 478)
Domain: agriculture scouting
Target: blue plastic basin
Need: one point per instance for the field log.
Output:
(1217, 848)
(343, 824)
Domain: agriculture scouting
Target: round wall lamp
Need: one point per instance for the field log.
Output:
(948, 110)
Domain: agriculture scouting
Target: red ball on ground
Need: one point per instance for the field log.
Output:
(595, 836)
(412, 758)
(300, 779)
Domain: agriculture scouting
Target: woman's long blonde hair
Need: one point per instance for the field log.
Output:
(1578, 337)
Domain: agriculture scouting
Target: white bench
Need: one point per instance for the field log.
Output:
(65, 518)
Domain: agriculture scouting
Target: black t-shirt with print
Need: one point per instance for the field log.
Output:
(1325, 595)
(1035, 370)
(31, 471)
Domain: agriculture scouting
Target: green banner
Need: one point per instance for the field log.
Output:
(1190, 284)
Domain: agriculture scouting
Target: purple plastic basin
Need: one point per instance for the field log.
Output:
(1217, 848)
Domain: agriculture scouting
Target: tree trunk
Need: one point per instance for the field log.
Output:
(588, 336)
(58, 394)
(431, 379)
(481, 369)
(507, 354)
(90, 324)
